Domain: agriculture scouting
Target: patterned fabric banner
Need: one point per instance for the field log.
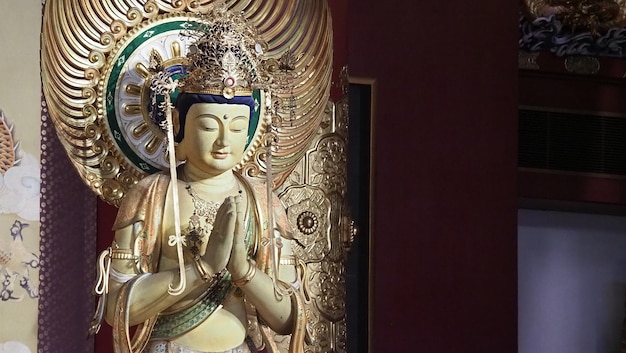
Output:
(47, 215)
(19, 175)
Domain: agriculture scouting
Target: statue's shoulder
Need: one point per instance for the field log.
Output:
(256, 184)
(148, 184)
(148, 195)
(259, 187)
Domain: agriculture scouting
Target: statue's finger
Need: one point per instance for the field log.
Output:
(219, 216)
(231, 218)
(240, 216)
(222, 217)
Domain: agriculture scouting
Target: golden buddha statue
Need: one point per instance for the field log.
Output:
(218, 219)
(232, 238)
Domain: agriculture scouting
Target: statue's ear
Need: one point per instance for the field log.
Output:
(179, 147)
(175, 121)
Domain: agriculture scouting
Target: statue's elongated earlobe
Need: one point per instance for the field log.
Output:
(181, 151)
(176, 122)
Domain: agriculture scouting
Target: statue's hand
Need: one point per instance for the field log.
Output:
(220, 242)
(238, 262)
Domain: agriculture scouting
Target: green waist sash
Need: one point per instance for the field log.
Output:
(173, 325)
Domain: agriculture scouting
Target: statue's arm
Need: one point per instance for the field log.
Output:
(151, 294)
(275, 309)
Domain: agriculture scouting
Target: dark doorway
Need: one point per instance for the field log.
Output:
(359, 198)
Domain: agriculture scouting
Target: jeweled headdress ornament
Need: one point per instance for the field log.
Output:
(226, 57)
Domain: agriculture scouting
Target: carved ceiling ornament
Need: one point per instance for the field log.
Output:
(595, 16)
(568, 28)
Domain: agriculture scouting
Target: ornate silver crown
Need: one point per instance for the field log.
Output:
(226, 57)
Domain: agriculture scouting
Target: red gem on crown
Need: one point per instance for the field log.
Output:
(229, 82)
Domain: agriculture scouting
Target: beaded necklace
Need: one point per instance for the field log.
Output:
(196, 232)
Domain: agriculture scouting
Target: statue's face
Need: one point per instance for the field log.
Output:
(215, 136)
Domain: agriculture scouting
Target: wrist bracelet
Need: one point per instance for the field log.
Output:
(123, 254)
(288, 260)
(247, 277)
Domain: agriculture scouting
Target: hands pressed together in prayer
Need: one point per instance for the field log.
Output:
(226, 247)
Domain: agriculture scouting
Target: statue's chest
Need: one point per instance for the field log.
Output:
(196, 228)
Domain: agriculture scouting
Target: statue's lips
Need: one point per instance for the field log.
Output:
(220, 155)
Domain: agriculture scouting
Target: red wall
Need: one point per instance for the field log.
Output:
(445, 171)
(572, 92)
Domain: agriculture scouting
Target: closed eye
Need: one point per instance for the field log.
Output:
(239, 124)
(208, 124)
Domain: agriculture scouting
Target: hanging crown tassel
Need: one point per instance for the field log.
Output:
(175, 239)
